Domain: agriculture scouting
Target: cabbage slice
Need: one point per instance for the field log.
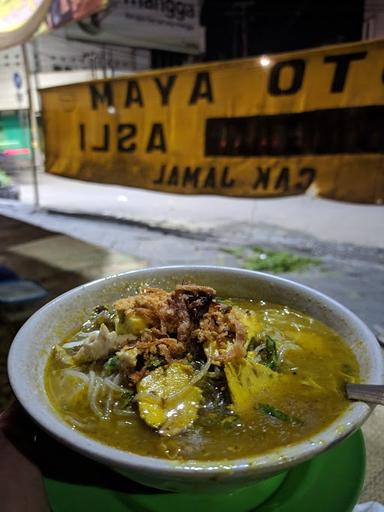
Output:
(248, 383)
(168, 400)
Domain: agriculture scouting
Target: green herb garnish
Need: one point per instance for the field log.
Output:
(154, 362)
(126, 399)
(271, 357)
(272, 411)
(269, 410)
(111, 365)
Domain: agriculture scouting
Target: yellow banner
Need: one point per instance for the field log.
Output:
(262, 127)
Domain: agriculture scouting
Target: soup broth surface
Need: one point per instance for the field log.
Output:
(288, 385)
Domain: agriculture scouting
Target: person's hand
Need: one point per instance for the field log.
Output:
(21, 483)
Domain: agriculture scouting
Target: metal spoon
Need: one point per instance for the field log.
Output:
(379, 331)
(371, 393)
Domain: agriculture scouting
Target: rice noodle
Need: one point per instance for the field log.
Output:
(93, 390)
(198, 376)
(284, 347)
(106, 381)
(124, 423)
(258, 349)
(116, 379)
(123, 412)
(100, 394)
(80, 424)
(76, 373)
(91, 384)
(109, 383)
(107, 409)
(108, 387)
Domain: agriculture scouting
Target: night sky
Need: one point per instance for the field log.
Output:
(278, 25)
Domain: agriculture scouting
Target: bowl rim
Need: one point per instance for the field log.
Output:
(265, 463)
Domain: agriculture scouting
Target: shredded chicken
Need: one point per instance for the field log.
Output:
(100, 344)
(128, 357)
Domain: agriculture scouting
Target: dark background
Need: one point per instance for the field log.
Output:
(241, 28)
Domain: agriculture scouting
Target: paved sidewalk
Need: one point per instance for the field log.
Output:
(324, 219)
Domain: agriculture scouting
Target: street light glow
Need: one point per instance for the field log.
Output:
(265, 61)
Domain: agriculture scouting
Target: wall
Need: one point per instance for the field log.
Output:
(11, 62)
(58, 61)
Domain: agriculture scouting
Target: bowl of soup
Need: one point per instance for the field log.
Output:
(194, 377)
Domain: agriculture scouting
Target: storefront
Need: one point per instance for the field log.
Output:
(14, 133)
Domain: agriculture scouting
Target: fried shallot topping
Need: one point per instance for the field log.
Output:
(156, 328)
(222, 334)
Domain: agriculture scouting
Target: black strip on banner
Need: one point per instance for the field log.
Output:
(319, 132)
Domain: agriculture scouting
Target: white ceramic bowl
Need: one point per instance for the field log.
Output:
(33, 343)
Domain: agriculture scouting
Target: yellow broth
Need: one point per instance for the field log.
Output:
(312, 397)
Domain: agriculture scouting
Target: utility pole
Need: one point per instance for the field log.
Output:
(239, 13)
(243, 7)
(32, 126)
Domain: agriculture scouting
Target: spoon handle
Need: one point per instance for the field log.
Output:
(366, 393)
